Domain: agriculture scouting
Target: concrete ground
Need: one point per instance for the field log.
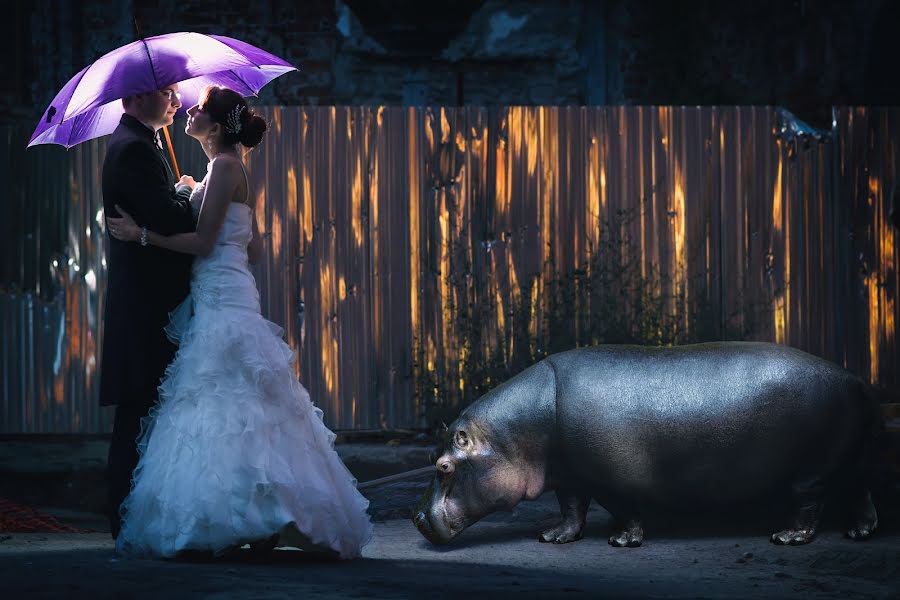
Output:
(497, 557)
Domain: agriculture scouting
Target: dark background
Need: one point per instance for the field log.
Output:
(805, 55)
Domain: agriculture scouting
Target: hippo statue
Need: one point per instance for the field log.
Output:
(640, 429)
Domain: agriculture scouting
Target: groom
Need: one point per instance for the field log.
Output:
(144, 283)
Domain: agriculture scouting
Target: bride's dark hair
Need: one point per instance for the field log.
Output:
(221, 103)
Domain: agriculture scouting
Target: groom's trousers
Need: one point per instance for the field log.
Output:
(123, 457)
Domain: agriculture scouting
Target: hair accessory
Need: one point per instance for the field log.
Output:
(233, 122)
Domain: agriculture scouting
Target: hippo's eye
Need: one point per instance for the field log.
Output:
(461, 439)
(445, 466)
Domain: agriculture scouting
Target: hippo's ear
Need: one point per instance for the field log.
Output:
(461, 440)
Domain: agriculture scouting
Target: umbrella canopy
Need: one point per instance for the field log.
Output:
(89, 105)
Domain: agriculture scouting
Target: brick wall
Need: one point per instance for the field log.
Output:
(806, 55)
(302, 33)
(803, 54)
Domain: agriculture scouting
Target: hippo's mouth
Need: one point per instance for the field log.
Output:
(431, 533)
(432, 520)
(440, 534)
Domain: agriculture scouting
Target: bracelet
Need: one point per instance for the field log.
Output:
(143, 236)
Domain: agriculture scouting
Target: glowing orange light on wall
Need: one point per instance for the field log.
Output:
(306, 216)
(291, 191)
(328, 348)
(780, 309)
(679, 232)
(415, 283)
(356, 192)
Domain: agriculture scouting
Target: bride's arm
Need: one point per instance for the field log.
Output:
(255, 247)
(220, 187)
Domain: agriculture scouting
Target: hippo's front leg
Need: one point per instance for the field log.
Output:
(573, 506)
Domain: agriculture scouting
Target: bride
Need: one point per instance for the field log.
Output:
(234, 452)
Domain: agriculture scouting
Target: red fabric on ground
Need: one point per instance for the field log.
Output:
(17, 518)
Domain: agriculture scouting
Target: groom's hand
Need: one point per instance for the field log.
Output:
(186, 180)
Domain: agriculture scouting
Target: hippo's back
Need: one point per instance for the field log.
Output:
(731, 418)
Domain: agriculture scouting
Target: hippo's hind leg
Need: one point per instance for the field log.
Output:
(573, 506)
(627, 526)
(863, 516)
(627, 533)
(809, 499)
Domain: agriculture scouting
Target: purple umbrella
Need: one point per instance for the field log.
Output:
(89, 105)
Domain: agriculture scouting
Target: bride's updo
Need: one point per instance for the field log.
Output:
(228, 108)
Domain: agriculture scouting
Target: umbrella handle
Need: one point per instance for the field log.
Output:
(171, 152)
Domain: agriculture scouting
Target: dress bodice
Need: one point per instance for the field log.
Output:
(223, 278)
(236, 229)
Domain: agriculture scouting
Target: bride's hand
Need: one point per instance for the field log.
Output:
(123, 228)
(188, 181)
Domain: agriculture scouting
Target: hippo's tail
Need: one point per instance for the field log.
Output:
(874, 448)
(876, 397)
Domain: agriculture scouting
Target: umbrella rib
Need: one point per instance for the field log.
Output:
(72, 131)
(236, 51)
(62, 114)
(150, 60)
(241, 79)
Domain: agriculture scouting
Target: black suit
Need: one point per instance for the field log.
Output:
(144, 283)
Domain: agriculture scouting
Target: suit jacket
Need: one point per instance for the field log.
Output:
(144, 283)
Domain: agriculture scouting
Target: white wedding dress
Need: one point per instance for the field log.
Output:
(234, 452)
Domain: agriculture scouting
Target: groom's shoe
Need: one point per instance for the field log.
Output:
(323, 554)
(195, 556)
(115, 524)
(264, 546)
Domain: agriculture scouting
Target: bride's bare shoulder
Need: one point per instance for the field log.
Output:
(227, 161)
(226, 166)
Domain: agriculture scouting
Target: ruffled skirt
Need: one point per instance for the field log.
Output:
(234, 452)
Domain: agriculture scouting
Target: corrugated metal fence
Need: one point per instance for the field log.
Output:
(419, 256)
